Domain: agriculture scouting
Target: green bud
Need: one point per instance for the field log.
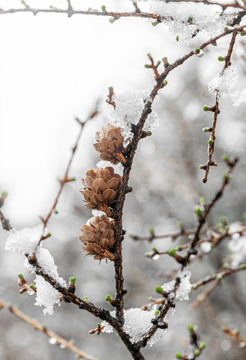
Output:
(103, 7)
(197, 51)
(111, 20)
(205, 108)
(158, 63)
(152, 229)
(85, 298)
(164, 59)
(227, 228)
(147, 66)
(179, 247)
(197, 352)
(72, 280)
(198, 211)
(111, 89)
(73, 179)
(243, 266)
(190, 18)
(165, 82)
(206, 129)
(4, 194)
(48, 235)
(159, 290)
(219, 278)
(225, 157)
(226, 176)
(202, 200)
(202, 345)
(172, 252)
(190, 327)
(180, 224)
(243, 33)
(210, 142)
(154, 23)
(177, 38)
(32, 286)
(20, 276)
(56, 211)
(179, 356)
(221, 58)
(108, 298)
(157, 312)
(154, 248)
(223, 220)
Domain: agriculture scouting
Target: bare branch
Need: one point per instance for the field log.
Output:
(51, 334)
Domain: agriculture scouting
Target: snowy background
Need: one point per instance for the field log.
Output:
(55, 68)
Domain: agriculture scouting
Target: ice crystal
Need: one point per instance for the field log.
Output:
(25, 240)
(137, 325)
(129, 107)
(222, 83)
(187, 19)
(184, 287)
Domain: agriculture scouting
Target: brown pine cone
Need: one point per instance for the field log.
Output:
(101, 188)
(110, 144)
(98, 237)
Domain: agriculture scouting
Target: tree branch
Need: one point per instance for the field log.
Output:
(51, 334)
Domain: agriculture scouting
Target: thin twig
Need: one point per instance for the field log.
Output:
(203, 218)
(216, 110)
(66, 178)
(216, 279)
(51, 334)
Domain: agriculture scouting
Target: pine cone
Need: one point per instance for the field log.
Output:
(110, 144)
(101, 188)
(98, 237)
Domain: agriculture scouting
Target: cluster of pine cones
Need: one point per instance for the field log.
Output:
(100, 192)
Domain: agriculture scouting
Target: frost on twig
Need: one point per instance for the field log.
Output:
(25, 242)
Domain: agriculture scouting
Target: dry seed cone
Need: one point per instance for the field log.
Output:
(101, 188)
(110, 144)
(98, 237)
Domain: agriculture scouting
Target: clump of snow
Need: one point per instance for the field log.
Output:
(129, 107)
(118, 169)
(222, 83)
(184, 288)
(187, 19)
(206, 247)
(237, 245)
(46, 296)
(238, 97)
(137, 325)
(25, 240)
